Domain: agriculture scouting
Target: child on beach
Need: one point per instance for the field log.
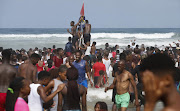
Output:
(18, 89)
(38, 94)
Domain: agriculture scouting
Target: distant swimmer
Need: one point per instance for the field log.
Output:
(86, 32)
(122, 81)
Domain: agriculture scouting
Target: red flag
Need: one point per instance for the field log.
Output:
(82, 10)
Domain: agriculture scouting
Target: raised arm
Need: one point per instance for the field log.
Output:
(83, 48)
(78, 22)
(69, 32)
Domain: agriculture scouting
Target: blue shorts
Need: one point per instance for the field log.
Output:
(84, 83)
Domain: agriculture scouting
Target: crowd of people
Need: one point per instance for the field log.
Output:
(57, 79)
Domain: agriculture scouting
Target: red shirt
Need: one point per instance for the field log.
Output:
(114, 54)
(51, 68)
(39, 69)
(97, 67)
(57, 61)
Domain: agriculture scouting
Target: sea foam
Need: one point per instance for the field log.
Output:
(95, 35)
(98, 94)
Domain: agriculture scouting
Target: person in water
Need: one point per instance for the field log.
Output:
(122, 81)
(86, 32)
(69, 97)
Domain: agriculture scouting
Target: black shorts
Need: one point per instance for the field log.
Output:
(87, 38)
(96, 80)
(113, 95)
(74, 40)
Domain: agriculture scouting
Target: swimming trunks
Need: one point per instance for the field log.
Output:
(2, 101)
(74, 40)
(122, 100)
(113, 95)
(87, 38)
(84, 83)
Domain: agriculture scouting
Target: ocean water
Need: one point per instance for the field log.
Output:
(18, 38)
(26, 38)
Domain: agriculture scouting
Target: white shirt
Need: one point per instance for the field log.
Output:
(110, 55)
(64, 60)
(34, 99)
(88, 50)
(107, 63)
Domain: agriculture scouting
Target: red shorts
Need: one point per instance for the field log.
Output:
(68, 54)
(2, 101)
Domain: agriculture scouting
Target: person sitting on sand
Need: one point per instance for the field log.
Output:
(157, 73)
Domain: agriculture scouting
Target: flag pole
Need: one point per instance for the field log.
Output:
(81, 39)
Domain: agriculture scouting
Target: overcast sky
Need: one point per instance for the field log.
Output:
(100, 13)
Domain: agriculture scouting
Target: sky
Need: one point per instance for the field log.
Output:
(100, 13)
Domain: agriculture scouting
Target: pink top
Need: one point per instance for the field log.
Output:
(51, 68)
(21, 105)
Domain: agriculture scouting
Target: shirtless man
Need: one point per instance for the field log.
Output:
(86, 32)
(157, 72)
(7, 74)
(93, 48)
(73, 32)
(28, 70)
(122, 81)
